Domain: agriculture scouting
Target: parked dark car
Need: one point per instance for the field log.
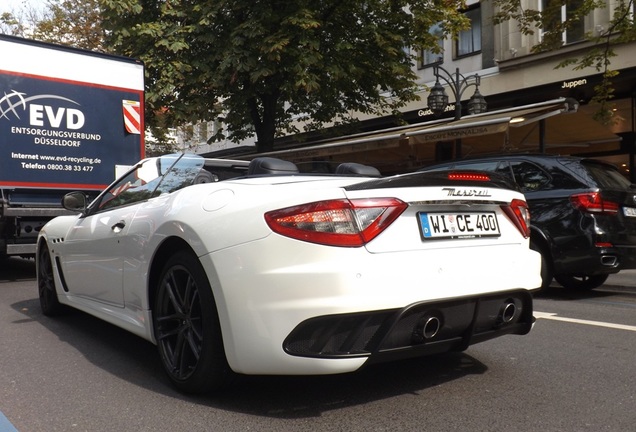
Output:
(583, 214)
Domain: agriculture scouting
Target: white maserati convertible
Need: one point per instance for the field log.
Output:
(254, 268)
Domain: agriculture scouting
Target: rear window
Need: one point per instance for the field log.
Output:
(606, 176)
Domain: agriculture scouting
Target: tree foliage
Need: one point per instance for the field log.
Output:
(621, 29)
(265, 64)
(21, 21)
(76, 23)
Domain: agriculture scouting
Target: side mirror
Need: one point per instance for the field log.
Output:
(75, 201)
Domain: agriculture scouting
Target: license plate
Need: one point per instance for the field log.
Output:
(458, 225)
(629, 211)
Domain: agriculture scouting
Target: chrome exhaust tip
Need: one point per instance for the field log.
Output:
(609, 260)
(431, 327)
(508, 312)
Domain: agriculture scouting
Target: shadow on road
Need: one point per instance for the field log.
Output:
(557, 292)
(14, 269)
(130, 358)
(303, 397)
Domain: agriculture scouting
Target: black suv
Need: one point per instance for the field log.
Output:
(583, 214)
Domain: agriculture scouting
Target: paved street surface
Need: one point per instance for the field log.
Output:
(625, 278)
(574, 372)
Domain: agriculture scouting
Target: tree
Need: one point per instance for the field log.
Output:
(264, 64)
(76, 23)
(621, 30)
(20, 21)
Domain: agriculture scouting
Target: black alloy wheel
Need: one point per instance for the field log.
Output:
(46, 286)
(187, 328)
(581, 282)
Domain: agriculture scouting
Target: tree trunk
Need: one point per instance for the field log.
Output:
(264, 122)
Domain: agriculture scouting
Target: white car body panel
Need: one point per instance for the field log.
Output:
(268, 296)
(91, 247)
(265, 284)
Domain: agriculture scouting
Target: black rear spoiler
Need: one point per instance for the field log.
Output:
(440, 178)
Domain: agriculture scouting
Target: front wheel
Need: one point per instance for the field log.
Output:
(187, 328)
(581, 282)
(46, 285)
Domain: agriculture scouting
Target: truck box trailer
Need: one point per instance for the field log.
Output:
(68, 119)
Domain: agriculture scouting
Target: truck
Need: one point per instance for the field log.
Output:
(69, 120)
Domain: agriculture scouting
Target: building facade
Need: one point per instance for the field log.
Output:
(515, 82)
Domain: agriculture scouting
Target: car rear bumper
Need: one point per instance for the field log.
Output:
(419, 329)
(272, 303)
(626, 257)
(597, 261)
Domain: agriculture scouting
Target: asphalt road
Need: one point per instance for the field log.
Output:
(574, 372)
(625, 278)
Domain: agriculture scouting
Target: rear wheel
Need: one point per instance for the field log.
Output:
(581, 282)
(46, 286)
(187, 327)
(546, 266)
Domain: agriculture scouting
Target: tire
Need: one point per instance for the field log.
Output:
(49, 302)
(581, 282)
(187, 328)
(546, 266)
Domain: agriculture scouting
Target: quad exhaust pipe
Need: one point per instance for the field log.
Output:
(431, 323)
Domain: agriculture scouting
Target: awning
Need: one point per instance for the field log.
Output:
(394, 139)
(577, 131)
(434, 131)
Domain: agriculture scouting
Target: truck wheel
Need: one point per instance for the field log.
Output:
(546, 266)
(46, 285)
(187, 328)
(581, 282)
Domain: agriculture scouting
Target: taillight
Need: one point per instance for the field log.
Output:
(348, 223)
(603, 245)
(519, 214)
(593, 203)
(468, 176)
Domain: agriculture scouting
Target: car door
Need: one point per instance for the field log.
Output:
(92, 252)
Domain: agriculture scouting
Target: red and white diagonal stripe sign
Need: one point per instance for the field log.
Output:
(132, 116)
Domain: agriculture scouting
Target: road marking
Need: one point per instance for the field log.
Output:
(5, 424)
(554, 317)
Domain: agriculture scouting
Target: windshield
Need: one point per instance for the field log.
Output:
(151, 177)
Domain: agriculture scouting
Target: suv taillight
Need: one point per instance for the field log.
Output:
(519, 214)
(593, 203)
(348, 223)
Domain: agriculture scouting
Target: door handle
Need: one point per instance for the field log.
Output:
(118, 226)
